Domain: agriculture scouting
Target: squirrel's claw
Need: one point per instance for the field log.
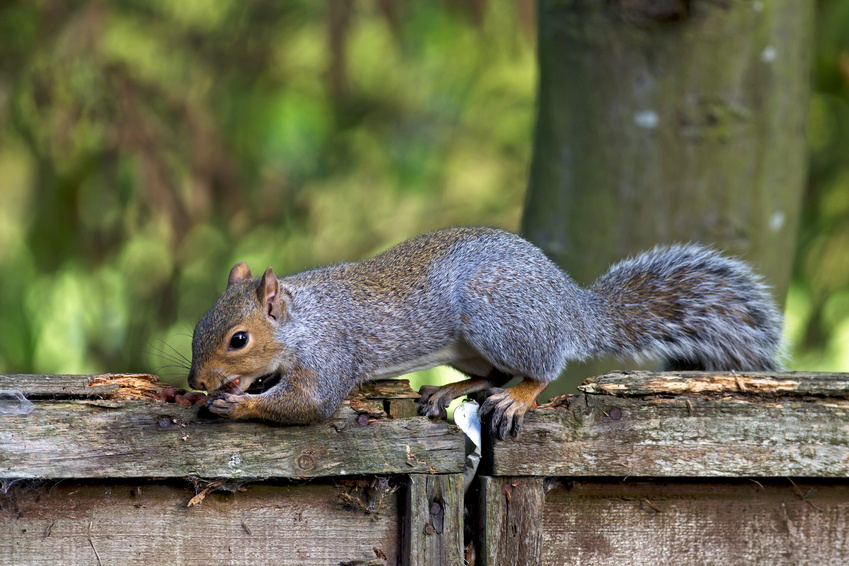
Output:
(227, 405)
(434, 401)
(506, 413)
(507, 407)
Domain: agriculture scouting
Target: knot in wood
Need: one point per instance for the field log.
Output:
(305, 460)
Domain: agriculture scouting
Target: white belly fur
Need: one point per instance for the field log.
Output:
(455, 353)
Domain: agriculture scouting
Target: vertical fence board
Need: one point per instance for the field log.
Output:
(433, 522)
(511, 512)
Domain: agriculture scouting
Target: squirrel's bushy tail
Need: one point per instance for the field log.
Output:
(693, 307)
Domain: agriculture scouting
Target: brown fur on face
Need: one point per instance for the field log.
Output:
(253, 308)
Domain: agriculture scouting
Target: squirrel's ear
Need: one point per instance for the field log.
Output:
(240, 272)
(270, 296)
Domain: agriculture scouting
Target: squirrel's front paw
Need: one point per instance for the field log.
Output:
(232, 406)
(434, 401)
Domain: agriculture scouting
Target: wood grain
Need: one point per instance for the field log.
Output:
(697, 523)
(433, 520)
(74, 386)
(132, 439)
(690, 436)
(143, 523)
(792, 384)
(61, 386)
(511, 514)
(122, 462)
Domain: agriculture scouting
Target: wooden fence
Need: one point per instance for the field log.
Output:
(640, 468)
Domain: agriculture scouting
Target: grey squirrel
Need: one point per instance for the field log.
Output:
(481, 300)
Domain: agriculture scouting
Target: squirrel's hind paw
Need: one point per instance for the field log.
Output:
(506, 408)
(505, 414)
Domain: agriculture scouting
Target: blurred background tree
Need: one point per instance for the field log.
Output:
(145, 147)
(686, 120)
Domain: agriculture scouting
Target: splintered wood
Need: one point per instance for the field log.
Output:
(115, 386)
(792, 384)
(130, 386)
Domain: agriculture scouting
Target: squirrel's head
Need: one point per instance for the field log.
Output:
(234, 344)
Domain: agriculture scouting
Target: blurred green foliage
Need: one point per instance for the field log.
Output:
(145, 147)
(818, 303)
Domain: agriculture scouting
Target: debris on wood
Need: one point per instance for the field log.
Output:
(14, 403)
(182, 397)
(365, 407)
(66, 386)
(205, 487)
(130, 386)
(388, 389)
(364, 495)
(412, 460)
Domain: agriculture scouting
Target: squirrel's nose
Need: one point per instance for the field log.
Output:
(194, 382)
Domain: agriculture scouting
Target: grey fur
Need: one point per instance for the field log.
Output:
(482, 299)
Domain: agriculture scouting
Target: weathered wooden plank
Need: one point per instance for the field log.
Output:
(601, 435)
(400, 408)
(64, 386)
(644, 383)
(146, 523)
(154, 439)
(697, 523)
(388, 389)
(511, 514)
(433, 520)
(144, 386)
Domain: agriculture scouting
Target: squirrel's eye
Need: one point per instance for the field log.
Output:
(239, 340)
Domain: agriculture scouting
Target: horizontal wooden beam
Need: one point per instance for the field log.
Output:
(144, 386)
(154, 439)
(75, 431)
(664, 433)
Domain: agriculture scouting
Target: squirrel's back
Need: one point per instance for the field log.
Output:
(686, 304)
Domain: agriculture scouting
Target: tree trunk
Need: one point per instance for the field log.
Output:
(665, 121)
